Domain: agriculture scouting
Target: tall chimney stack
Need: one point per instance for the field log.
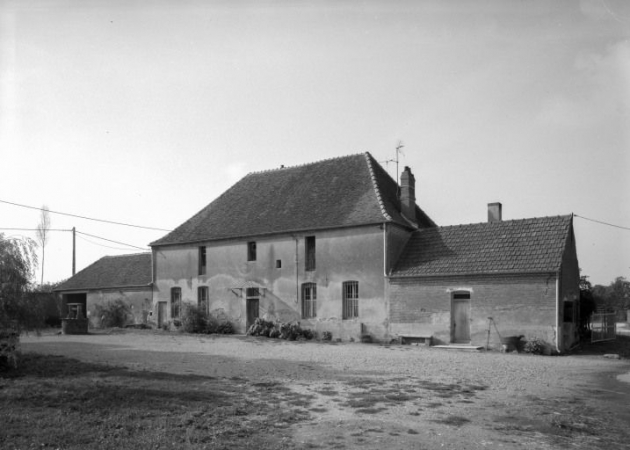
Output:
(408, 194)
(495, 212)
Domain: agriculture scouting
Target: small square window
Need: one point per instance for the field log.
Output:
(278, 264)
(251, 251)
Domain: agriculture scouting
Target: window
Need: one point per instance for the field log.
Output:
(350, 299)
(202, 298)
(278, 264)
(251, 251)
(176, 302)
(461, 296)
(309, 244)
(202, 260)
(309, 300)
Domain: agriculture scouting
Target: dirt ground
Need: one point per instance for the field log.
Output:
(372, 396)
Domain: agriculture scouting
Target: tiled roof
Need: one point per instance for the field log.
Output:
(339, 192)
(112, 272)
(515, 246)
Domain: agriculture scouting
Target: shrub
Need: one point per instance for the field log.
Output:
(113, 314)
(193, 319)
(326, 336)
(290, 331)
(535, 346)
(225, 327)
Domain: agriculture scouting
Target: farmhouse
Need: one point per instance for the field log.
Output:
(340, 247)
(312, 243)
(126, 277)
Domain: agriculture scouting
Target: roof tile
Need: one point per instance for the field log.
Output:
(112, 272)
(339, 192)
(516, 246)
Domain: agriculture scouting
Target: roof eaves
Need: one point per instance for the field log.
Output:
(129, 286)
(274, 233)
(479, 274)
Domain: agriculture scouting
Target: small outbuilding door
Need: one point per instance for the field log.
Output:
(460, 318)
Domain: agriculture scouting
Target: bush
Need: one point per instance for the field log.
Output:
(326, 336)
(113, 314)
(225, 327)
(289, 331)
(535, 346)
(193, 319)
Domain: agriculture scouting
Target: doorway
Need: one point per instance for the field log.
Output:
(252, 302)
(460, 318)
(161, 313)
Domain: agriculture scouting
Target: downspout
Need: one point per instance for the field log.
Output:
(297, 273)
(385, 249)
(558, 321)
(385, 282)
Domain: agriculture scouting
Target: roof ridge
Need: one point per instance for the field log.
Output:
(377, 191)
(277, 169)
(496, 223)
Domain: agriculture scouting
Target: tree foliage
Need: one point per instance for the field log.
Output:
(42, 233)
(614, 297)
(18, 260)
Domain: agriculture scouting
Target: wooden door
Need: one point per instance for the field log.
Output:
(460, 318)
(161, 314)
(252, 311)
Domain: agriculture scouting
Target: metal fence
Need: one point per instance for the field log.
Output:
(603, 327)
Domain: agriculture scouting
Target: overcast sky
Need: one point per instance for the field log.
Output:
(144, 112)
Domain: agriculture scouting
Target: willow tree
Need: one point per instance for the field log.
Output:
(18, 261)
(42, 233)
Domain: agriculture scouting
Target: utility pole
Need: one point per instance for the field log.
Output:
(74, 251)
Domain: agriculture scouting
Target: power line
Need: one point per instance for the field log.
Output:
(33, 229)
(603, 223)
(101, 245)
(86, 218)
(109, 240)
(79, 232)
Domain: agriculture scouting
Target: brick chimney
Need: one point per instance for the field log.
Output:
(494, 212)
(408, 194)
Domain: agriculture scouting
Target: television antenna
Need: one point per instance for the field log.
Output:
(399, 152)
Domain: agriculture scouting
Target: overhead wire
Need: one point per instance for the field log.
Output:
(85, 234)
(102, 245)
(110, 240)
(84, 217)
(603, 223)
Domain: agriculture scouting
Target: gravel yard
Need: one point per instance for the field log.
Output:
(402, 397)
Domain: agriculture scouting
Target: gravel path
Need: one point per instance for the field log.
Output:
(365, 396)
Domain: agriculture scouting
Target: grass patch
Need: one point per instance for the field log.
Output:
(58, 402)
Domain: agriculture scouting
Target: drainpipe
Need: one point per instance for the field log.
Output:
(297, 273)
(558, 320)
(385, 249)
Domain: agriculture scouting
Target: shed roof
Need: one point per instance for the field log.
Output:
(339, 192)
(112, 272)
(514, 246)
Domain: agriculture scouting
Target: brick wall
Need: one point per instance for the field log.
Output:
(519, 305)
